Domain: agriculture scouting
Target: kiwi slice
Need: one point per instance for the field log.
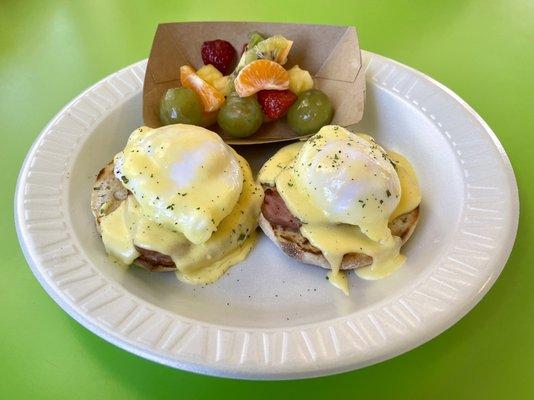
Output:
(275, 48)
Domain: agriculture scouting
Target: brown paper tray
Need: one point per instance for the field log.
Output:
(331, 54)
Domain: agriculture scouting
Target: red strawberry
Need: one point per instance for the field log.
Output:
(275, 103)
(220, 54)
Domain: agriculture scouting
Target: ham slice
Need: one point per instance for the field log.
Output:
(274, 209)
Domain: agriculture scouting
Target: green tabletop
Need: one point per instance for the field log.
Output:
(483, 50)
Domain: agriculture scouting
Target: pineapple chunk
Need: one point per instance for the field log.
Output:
(209, 74)
(300, 80)
(224, 84)
(214, 77)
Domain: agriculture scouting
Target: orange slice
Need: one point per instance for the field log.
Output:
(210, 97)
(260, 75)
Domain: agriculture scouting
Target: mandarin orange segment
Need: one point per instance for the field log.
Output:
(210, 97)
(261, 75)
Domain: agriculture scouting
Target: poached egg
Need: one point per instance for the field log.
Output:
(192, 198)
(183, 176)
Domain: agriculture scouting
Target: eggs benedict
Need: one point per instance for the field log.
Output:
(177, 198)
(340, 201)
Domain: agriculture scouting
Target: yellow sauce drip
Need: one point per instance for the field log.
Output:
(335, 241)
(276, 164)
(117, 233)
(216, 269)
(339, 280)
(411, 194)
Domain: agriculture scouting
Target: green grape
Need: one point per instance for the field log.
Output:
(240, 116)
(180, 106)
(311, 111)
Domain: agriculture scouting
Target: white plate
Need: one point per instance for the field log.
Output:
(271, 317)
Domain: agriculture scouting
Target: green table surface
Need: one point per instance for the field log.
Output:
(483, 50)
